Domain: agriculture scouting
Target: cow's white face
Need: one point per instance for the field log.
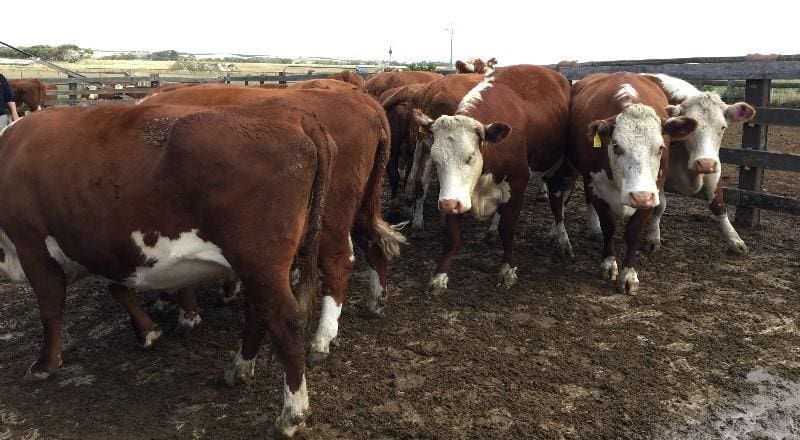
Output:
(456, 153)
(634, 151)
(712, 116)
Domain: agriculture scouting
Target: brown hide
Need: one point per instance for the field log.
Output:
(384, 81)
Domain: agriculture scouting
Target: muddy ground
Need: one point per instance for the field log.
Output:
(709, 348)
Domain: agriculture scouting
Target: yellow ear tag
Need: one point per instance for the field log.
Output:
(596, 141)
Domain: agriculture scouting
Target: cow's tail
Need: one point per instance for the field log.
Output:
(306, 292)
(378, 230)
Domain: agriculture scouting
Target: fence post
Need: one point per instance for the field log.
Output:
(281, 77)
(154, 80)
(754, 137)
(247, 81)
(261, 79)
(73, 91)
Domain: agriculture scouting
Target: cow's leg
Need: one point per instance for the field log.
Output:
(559, 188)
(491, 232)
(452, 241)
(378, 288)
(188, 310)
(593, 229)
(509, 217)
(49, 284)
(231, 289)
(608, 223)
(394, 174)
(653, 235)
(711, 182)
(147, 332)
(270, 305)
(336, 262)
(628, 280)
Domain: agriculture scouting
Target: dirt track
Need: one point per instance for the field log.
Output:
(710, 346)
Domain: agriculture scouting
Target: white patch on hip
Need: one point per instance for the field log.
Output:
(488, 195)
(72, 270)
(295, 409)
(11, 265)
(177, 263)
(328, 325)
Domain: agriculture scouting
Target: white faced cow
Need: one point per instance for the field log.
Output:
(618, 141)
(694, 162)
(509, 127)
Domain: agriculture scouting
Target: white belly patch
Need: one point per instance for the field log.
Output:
(175, 263)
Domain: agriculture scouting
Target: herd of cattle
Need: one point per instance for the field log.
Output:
(272, 186)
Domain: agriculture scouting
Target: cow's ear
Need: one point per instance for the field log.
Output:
(739, 112)
(679, 128)
(496, 132)
(423, 120)
(602, 127)
(673, 110)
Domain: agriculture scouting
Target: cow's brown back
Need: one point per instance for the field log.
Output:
(384, 81)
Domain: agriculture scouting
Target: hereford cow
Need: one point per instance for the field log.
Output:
(358, 125)
(350, 77)
(436, 98)
(507, 128)
(30, 92)
(476, 65)
(176, 196)
(694, 162)
(383, 81)
(619, 142)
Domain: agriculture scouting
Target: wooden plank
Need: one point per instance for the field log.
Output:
(788, 117)
(763, 159)
(744, 199)
(730, 70)
(695, 60)
(754, 136)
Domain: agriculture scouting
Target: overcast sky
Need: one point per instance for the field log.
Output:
(518, 31)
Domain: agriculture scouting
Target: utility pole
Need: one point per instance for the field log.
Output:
(390, 55)
(450, 29)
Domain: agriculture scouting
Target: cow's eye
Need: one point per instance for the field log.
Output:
(470, 158)
(618, 150)
(661, 149)
(723, 127)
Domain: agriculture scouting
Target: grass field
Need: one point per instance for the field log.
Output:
(94, 67)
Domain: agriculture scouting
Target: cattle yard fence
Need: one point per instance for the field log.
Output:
(754, 73)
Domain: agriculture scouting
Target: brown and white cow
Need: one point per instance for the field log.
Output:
(694, 162)
(383, 81)
(358, 125)
(476, 65)
(178, 195)
(349, 76)
(619, 142)
(31, 92)
(510, 126)
(436, 98)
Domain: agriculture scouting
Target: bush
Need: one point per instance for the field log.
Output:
(164, 55)
(423, 66)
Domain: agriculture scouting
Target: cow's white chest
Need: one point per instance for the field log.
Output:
(488, 196)
(609, 192)
(10, 265)
(174, 263)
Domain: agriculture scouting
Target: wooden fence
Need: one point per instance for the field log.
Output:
(752, 156)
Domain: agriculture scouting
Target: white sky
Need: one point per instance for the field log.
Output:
(517, 31)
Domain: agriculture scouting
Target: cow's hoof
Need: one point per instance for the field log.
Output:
(315, 358)
(162, 306)
(241, 371)
(151, 337)
(652, 245)
(608, 269)
(37, 373)
(565, 247)
(187, 321)
(507, 276)
(374, 309)
(293, 427)
(438, 284)
(628, 281)
(738, 247)
(594, 235)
